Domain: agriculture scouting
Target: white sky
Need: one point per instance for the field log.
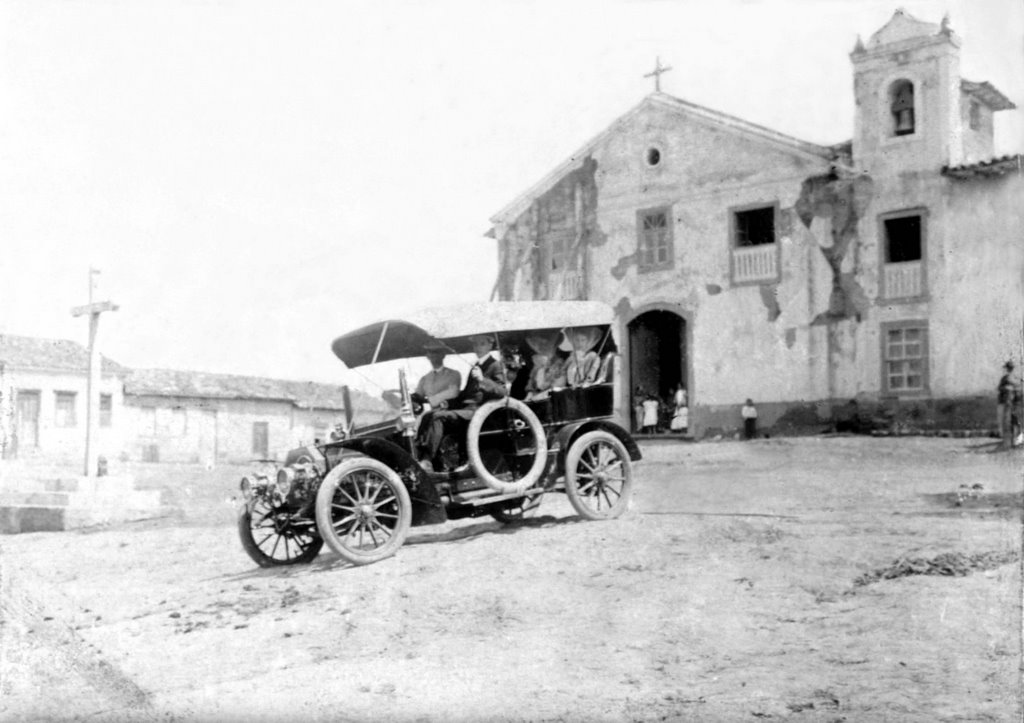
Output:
(255, 178)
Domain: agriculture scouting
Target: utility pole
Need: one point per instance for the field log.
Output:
(93, 309)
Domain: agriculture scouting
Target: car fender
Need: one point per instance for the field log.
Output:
(567, 434)
(427, 506)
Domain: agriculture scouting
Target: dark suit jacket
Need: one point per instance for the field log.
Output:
(491, 386)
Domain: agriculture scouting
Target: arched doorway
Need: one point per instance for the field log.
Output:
(657, 355)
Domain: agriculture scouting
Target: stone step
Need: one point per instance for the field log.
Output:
(35, 499)
(118, 483)
(122, 484)
(106, 498)
(135, 499)
(30, 518)
(15, 519)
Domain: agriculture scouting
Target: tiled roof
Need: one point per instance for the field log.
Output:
(986, 169)
(175, 383)
(29, 352)
(987, 94)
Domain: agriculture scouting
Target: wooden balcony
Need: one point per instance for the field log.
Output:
(755, 263)
(566, 286)
(903, 280)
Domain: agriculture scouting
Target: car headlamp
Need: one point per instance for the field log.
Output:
(285, 478)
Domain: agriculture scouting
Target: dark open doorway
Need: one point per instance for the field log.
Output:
(657, 355)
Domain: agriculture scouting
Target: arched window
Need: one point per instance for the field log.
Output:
(901, 103)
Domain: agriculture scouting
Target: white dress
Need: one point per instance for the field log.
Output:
(650, 413)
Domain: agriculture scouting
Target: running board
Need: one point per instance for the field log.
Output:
(476, 498)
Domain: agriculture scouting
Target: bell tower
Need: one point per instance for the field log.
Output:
(906, 82)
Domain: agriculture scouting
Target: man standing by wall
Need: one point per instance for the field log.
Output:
(1008, 395)
(749, 414)
(1008, 386)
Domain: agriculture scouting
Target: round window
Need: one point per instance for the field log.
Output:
(653, 156)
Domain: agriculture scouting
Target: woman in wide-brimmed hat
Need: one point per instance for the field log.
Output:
(548, 368)
(584, 364)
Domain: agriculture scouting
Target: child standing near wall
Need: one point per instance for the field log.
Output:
(749, 414)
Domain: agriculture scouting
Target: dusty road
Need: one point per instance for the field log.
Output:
(727, 593)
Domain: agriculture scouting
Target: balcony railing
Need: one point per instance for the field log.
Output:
(902, 280)
(754, 263)
(567, 286)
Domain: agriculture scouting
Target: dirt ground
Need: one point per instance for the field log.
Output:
(746, 582)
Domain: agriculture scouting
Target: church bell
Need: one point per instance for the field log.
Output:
(904, 121)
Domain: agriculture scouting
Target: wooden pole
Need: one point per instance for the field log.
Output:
(92, 392)
(92, 389)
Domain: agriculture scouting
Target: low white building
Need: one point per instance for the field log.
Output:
(198, 417)
(157, 415)
(43, 400)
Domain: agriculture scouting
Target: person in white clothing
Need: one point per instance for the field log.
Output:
(651, 406)
(680, 415)
(749, 414)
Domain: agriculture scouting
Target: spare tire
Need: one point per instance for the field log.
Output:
(513, 430)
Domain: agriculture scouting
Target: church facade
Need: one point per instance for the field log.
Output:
(885, 272)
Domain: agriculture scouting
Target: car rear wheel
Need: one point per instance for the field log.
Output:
(363, 510)
(598, 476)
(508, 429)
(273, 537)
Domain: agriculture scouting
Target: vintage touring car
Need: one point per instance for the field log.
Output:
(362, 491)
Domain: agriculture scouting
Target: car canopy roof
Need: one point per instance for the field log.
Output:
(453, 325)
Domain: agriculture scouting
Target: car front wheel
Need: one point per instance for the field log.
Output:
(272, 537)
(363, 510)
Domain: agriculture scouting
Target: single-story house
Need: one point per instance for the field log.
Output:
(43, 400)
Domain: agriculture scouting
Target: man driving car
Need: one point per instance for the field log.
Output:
(440, 385)
(487, 380)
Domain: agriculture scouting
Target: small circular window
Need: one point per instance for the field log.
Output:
(653, 156)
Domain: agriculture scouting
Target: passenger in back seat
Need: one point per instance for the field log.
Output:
(548, 370)
(584, 364)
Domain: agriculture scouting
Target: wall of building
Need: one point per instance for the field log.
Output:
(974, 290)
(808, 342)
(978, 142)
(209, 431)
(745, 339)
(58, 444)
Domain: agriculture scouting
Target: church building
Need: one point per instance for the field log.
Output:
(885, 272)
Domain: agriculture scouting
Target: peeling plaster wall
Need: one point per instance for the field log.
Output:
(813, 336)
(978, 307)
(564, 216)
(740, 343)
(974, 277)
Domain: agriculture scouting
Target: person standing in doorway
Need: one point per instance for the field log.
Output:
(651, 406)
(749, 414)
(680, 414)
(638, 409)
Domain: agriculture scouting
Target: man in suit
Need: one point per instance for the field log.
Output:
(487, 380)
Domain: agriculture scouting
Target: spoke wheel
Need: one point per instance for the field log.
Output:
(517, 510)
(363, 510)
(598, 476)
(273, 537)
(520, 436)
